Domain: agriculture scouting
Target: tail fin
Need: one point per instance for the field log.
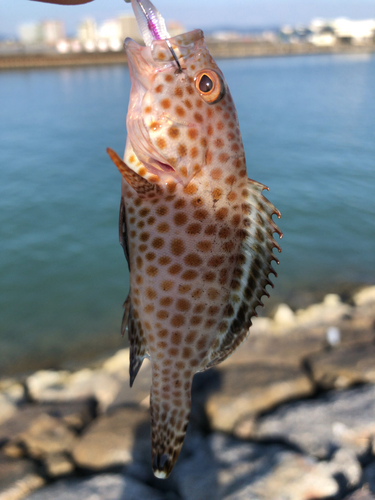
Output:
(170, 411)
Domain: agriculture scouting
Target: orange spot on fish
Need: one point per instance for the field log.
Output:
(165, 103)
(161, 143)
(216, 173)
(192, 133)
(223, 157)
(180, 111)
(173, 132)
(198, 117)
(190, 189)
(154, 178)
(178, 92)
(182, 150)
(194, 152)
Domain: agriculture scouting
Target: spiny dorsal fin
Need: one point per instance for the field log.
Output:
(252, 270)
(143, 187)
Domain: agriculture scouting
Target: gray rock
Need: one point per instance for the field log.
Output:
(284, 316)
(132, 395)
(330, 312)
(102, 487)
(118, 364)
(235, 470)
(18, 478)
(337, 420)
(289, 349)
(51, 386)
(13, 390)
(58, 464)
(369, 476)
(362, 494)
(46, 435)
(344, 366)
(75, 415)
(351, 334)
(114, 439)
(366, 296)
(7, 408)
(345, 462)
(249, 389)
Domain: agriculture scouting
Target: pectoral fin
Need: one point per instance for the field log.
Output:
(138, 183)
(123, 232)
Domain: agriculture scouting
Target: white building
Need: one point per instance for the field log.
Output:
(327, 32)
(52, 31)
(87, 31)
(129, 27)
(110, 30)
(175, 28)
(357, 32)
(323, 39)
(49, 31)
(30, 33)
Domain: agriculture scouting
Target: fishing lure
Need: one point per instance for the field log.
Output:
(197, 233)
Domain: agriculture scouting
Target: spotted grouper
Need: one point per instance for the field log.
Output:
(197, 233)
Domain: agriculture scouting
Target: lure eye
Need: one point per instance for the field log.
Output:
(210, 86)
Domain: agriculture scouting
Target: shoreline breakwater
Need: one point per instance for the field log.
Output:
(289, 415)
(218, 49)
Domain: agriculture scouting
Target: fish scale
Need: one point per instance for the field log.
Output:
(197, 233)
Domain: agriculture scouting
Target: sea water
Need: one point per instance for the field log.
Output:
(308, 125)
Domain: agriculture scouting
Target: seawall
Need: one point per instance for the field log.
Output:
(218, 49)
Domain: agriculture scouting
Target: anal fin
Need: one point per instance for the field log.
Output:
(137, 340)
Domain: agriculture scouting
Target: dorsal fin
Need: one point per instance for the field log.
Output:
(142, 186)
(251, 272)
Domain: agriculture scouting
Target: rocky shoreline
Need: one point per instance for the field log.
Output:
(290, 416)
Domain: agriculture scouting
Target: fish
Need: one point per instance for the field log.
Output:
(197, 233)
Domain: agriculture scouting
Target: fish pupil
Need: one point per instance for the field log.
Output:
(205, 84)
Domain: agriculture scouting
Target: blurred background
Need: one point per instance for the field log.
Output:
(307, 122)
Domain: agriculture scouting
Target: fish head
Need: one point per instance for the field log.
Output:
(172, 108)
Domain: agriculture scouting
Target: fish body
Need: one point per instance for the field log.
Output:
(197, 233)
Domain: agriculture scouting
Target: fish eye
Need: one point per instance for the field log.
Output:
(205, 83)
(210, 86)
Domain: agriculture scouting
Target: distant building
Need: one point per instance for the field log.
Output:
(175, 28)
(129, 27)
(87, 31)
(323, 39)
(110, 30)
(52, 31)
(328, 32)
(48, 32)
(29, 33)
(356, 32)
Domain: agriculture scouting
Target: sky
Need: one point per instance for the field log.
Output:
(204, 14)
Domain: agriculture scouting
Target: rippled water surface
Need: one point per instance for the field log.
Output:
(308, 125)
